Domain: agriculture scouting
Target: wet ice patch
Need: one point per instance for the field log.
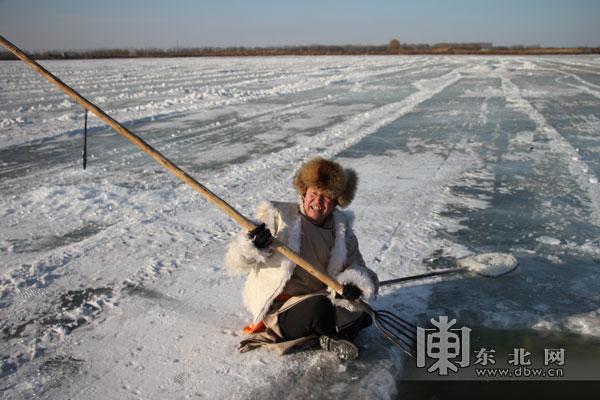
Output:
(42, 243)
(40, 320)
(65, 313)
(588, 124)
(473, 190)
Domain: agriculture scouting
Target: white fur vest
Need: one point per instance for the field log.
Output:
(269, 272)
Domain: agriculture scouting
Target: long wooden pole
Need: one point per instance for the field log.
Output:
(169, 165)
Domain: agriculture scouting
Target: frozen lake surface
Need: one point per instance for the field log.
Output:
(111, 279)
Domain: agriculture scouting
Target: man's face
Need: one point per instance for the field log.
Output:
(317, 206)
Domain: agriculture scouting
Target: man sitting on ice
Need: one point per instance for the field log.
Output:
(289, 306)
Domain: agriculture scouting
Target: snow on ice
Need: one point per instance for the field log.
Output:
(111, 279)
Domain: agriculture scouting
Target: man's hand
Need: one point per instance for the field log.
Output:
(261, 236)
(351, 292)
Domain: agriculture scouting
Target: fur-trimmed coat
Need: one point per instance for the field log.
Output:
(269, 272)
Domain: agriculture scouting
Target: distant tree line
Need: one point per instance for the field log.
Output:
(393, 47)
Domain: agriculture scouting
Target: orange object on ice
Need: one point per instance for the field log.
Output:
(255, 328)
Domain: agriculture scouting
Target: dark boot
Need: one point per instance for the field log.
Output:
(344, 349)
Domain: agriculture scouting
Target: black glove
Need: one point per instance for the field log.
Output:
(351, 292)
(261, 236)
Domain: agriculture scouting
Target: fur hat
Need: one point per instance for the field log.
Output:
(329, 177)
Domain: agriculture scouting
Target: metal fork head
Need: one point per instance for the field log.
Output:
(399, 331)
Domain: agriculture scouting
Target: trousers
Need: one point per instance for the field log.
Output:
(316, 316)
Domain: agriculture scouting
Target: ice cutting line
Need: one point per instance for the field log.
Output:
(399, 331)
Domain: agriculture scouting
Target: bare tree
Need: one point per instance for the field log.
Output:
(394, 46)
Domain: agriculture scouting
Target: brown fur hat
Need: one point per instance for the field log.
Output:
(329, 177)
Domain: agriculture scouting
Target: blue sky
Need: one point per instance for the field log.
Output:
(85, 24)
